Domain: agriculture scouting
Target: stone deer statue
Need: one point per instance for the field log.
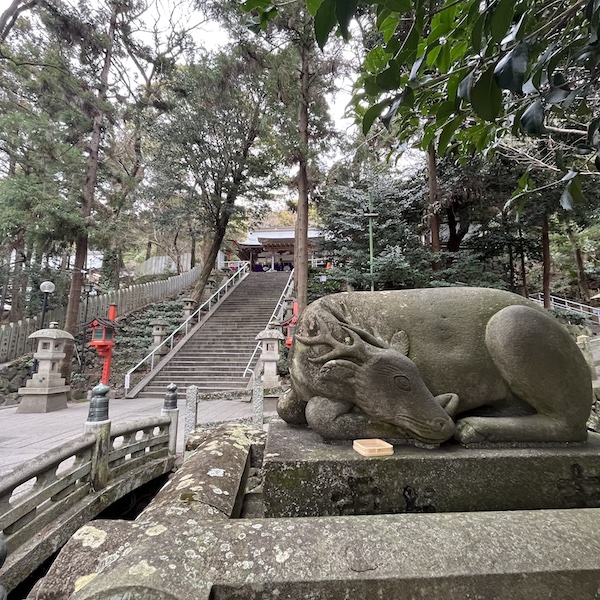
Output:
(421, 366)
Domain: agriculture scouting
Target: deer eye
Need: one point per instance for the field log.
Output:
(402, 382)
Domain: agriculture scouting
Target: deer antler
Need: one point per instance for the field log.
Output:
(365, 335)
(338, 349)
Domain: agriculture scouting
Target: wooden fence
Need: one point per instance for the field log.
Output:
(13, 336)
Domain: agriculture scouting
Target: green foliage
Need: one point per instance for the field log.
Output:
(213, 148)
(395, 239)
(465, 75)
(568, 317)
(317, 288)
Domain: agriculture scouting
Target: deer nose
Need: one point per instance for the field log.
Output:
(443, 426)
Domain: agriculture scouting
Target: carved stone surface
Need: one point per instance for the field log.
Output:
(305, 477)
(402, 365)
(187, 543)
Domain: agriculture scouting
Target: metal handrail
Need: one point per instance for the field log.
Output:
(557, 302)
(276, 312)
(241, 273)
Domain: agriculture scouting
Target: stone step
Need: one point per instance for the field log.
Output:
(240, 348)
(213, 385)
(219, 351)
(151, 391)
(199, 372)
(216, 380)
(204, 361)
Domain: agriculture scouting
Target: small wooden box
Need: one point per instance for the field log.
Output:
(373, 447)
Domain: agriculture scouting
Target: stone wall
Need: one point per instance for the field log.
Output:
(12, 378)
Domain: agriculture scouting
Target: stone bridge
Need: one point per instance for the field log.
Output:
(43, 502)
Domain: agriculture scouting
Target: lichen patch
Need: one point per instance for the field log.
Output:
(143, 569)
(90, 537)
(157, 530)
(282, 555)
(82, 581)
(216, 473)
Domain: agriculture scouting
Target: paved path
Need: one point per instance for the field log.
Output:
(25, 436)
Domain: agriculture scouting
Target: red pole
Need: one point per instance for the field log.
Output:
(106, 367)
(107, 352)
(112, 312)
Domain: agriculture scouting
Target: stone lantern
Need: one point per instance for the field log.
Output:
(46, 390)
(159, 331)
(270, 355)
(188, 307)
(209, 288)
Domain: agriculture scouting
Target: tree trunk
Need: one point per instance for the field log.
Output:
(546, 262)
(81, 245)
(17, 299)
(192, 250)
(582, 281)
(177, 253)
(210, 258)
(522, 260)
(511, 267)
(456, 229)
(148, 249)
(301, 245)
(433, 218)
(9, 17)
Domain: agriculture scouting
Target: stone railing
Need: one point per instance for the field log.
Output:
(13, 336)
(194, 400)
(44, 501)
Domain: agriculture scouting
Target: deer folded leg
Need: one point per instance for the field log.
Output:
(291, 408)
(522, 429)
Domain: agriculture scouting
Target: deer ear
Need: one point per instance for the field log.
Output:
(400, 342)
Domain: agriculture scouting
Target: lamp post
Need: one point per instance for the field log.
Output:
(47, 287)
(371, 215)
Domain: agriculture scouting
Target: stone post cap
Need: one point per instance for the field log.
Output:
(99, 404)
(158, 321)
(53, 334)
(270, 334)
(188, 300)
(171, 397)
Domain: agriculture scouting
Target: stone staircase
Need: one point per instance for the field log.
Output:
(215, 357)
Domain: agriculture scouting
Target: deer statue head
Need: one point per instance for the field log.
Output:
(338, 360)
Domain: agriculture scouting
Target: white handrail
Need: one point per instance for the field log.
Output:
(275, 315)
(240, 274)
(557, 302)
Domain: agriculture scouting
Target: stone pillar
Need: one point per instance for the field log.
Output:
(170, 410)
(270, 355)
(3, 553)
(188, 307)
(583, 341)
(46, 390)
(257, 401)
(98, 423)
(191, 409)
(159, 332)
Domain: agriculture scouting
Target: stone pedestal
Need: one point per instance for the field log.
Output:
(192, 526)
(270, 355)
(46, 390)
(304, 477)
